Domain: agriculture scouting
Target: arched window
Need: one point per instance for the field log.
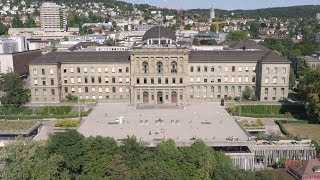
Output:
(174, 67)
(159, 67)
(198, 89)
(212, 89)
(219, 88)
(191, 89)
(226, 89)
(145, 67)
(204, 89)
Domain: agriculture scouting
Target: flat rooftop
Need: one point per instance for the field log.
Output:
(207, 121)
(22, 127)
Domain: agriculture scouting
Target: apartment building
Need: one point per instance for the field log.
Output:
(160, 71)
(53, 17)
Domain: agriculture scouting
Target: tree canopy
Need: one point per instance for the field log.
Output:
(237, 36)
(17, 22)
(15, 93)
(68, 155)
(309, 91)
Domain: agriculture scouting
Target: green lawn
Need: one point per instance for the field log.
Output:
(16, 125)
(270, 111)
(310, 131)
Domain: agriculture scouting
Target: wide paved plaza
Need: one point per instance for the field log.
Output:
(207, 121)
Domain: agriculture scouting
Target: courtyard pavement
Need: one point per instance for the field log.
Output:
(207, 121)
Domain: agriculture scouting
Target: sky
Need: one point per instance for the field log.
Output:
(225, 4)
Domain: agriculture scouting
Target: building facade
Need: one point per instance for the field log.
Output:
(53, 17)
(161, 71)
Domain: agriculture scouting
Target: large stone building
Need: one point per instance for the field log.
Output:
(161, 71)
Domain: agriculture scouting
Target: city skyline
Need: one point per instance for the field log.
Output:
(220, 4)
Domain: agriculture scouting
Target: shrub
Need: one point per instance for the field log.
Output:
(282, 129)
(71, 98)
(237, 98)
(259, 122)
(53, 110)
(245, 123)
(67, 123)
(254, 98)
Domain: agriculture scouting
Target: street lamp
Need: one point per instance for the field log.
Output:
(240, 99)
(78, 102)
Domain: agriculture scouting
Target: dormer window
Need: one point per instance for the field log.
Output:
(316, 169)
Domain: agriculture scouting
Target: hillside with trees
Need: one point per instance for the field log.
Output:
(70, 155)
(307, 11)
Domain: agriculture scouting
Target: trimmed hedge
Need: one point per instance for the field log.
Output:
(271, 111)
(30, 117)
(42, 110)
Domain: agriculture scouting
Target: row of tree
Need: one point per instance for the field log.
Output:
(70, 155)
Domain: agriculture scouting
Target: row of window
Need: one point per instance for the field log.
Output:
(43, 71)
(99, 70)
(274, 93)
(220, 79)
(85, 70)
(220, 69)
(99, 89)
(166, 81)
(212, 89)
(97, 79)
(275, 80)
(166, 97)
(44, 92)
(44, 82)
(159, 67)
(276, 70)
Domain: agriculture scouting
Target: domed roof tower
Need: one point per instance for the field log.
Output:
(159, 32)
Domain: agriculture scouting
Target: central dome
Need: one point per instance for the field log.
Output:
(159, 32)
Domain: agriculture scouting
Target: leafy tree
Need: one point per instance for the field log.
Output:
(271, 25)
(247, 93)
(109, 42)
(49, 167)
(36, 12)
(237, 36)
(309, 92)
(69, 144)
(302, 68)
(292, 79)
(65, 38)
(278, 26)
(99, 152)
(213, 28)
(188, 27)
(254, 29)
(30, 23)
(3, 29)
(53, 48)
(16, 22)
(133, 152)
(15, 94)
(118, 170)
(18, 163)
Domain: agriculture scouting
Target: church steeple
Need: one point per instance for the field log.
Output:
(212, 13)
